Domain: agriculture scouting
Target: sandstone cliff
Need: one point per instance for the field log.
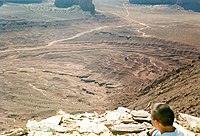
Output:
(86, 5)
(186, 4)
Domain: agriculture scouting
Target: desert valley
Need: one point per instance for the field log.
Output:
(116, 54)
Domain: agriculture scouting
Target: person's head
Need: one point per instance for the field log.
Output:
(162, 114)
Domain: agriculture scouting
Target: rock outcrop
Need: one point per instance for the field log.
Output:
(190, 4)
(186, 4)
(123, 121)
(65, 3)
(86, 5)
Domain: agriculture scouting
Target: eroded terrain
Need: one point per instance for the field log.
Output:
(66, 59)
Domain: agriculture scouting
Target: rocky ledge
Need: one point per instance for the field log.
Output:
(122, 121)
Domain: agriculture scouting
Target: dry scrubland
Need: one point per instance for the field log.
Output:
(125, 55)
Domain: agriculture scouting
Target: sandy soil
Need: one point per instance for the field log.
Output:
(67, 59)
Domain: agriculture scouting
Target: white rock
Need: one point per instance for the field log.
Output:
(99, 128)
(113, 116)
(107, 133)
(122, 109)
(191, 120)
(85, 126)
(52, 120)
(39, 133)
(140, 113)
(130, 128)
(60, 112)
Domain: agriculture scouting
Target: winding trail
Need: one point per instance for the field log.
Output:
(130, 20)
(145, 26)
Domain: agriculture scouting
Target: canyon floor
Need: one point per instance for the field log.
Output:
(126, 55)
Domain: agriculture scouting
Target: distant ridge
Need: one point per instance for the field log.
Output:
(186, 4)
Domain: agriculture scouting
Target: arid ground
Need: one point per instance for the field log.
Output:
(125, 55)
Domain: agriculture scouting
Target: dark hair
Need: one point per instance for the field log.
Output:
(163, 113)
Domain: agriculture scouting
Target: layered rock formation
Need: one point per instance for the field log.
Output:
(123, 121)
(86, 5)
(186, 4)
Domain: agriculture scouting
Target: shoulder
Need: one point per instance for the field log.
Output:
(180, 133)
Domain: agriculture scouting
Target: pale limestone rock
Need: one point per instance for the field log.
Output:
(129, 128)
(60, 112)
(61, 129)
(140, 113)
(117, 115)
(191, 120)
(87, 126)
(39, 133)
(141, 119)
(113, 116)
(122, 109)
(52, 120)
(107, 133)
(92, 134)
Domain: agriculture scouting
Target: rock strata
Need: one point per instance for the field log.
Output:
(110, 123)
(86, 5)
(186, 4)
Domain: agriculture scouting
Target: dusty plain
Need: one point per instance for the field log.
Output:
(53, 59)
